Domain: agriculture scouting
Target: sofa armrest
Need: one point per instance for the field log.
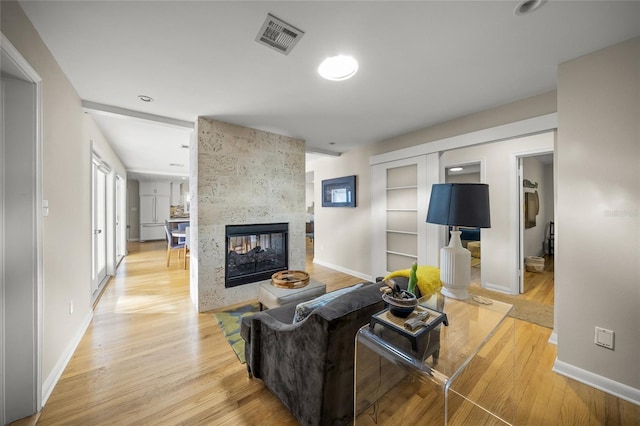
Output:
(283, 314)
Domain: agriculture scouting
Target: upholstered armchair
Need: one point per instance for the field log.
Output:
(309, 365)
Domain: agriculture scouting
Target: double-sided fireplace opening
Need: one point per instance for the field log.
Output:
(255, 252)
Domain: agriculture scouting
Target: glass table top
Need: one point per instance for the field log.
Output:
(471, 325)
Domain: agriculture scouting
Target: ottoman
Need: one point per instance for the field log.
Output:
(271, 296)
(474, 248)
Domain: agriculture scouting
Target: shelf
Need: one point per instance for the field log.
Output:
(401, 232)
(402, 187)
(413, 256)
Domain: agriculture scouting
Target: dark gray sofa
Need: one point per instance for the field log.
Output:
(309, 365)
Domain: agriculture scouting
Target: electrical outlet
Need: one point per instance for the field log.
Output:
(604, 338)
(70, 307)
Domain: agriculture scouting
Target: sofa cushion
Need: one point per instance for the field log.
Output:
(304, 309)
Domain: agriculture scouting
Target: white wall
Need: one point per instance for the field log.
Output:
(463, 178)
(309, 196)
(534, 237)
(343, 236)
(598, 215)
(99, 144)
(549, 192)
(66, 185)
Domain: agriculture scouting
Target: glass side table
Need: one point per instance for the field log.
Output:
(462, 373)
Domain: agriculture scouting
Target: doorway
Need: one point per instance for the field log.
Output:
(536, 226)
(310, 206)
(21, 237)
(99, 171)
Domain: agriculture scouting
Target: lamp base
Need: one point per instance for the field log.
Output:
(455, 293)
(455, 268)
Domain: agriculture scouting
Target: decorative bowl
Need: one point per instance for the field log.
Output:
(290, 279)
(401, 306)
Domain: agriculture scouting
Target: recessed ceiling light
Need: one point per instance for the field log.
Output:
(455, 169)
(145, 98)
(528, 6)
(338, 68)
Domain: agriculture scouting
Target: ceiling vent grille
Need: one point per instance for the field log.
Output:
(278, 35)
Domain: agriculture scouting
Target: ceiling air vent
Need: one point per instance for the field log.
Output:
(278, 35)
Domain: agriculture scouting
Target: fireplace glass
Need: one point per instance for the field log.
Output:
(255, 252)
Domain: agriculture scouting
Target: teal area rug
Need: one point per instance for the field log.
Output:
(229, 322)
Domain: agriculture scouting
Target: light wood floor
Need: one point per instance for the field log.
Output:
(538, 285)
(149, 359)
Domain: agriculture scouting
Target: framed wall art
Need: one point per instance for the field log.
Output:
(339, 192)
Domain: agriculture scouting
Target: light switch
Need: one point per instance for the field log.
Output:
(604, 338)
(45, 207)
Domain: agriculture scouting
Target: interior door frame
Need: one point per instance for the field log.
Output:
(36, 244)
(518, 206)
(120, 218)
(99, 166)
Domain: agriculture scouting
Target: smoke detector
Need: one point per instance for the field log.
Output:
(278, 35)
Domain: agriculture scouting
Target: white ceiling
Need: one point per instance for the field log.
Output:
(147, 146)
(421, 62)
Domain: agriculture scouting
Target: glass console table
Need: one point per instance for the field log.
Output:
(462, 373)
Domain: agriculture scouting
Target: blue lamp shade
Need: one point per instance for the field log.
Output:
(460, 204)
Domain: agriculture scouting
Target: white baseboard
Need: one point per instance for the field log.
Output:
(609, 386)
(498, 288)
(343, 270)
(553, 339)
(58, 369)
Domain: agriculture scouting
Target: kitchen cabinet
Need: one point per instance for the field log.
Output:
(154, 212)
(176, 198)
(155, 188)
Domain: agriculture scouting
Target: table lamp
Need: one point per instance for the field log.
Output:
(458, 204)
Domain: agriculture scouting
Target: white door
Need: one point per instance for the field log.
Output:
(99, 198)
(20, 237)
(520, 226)
(121, 248)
